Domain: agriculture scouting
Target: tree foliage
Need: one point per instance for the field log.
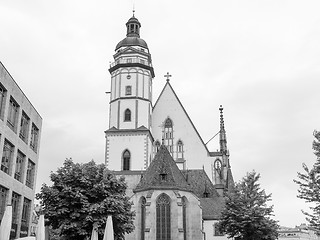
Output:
(82, 195)
(246, 214)
(309, 186)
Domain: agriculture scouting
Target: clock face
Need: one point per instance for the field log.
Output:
(217, 164)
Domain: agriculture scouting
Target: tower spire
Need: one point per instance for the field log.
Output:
(223, 138)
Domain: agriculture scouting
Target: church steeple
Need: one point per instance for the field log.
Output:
(129, 138)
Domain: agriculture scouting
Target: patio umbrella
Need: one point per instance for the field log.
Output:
(94, 234)
(6, 222)
(40, 233)
(108, 233)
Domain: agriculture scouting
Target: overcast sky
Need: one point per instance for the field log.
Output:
(259, 59)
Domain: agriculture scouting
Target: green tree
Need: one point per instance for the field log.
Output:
(82, 195)
(309, 186)
(246, 214)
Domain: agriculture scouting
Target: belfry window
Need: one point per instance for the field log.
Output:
(126, 160)
(163, 218)
(143, 217)
(127, 115)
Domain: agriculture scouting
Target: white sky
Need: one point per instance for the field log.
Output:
(259, 59)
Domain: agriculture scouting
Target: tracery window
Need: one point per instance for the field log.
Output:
(126, 160)
(163, 219)
(127, 115)
(143, 217)
(168, 134)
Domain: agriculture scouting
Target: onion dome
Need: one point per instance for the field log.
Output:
(133, 35)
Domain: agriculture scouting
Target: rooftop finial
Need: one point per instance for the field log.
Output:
(221, 118)
(168, 76)
(133, 10)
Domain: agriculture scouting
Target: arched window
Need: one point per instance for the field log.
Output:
(184, 217)
(143, 217)
(168, 134)
(127, 115)
(179, 146)
(156, 146)
(163, 222)
(126, 160)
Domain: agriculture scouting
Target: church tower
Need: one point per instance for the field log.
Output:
(221, 169)
(129, 139)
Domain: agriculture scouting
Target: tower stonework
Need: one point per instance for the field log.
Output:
(129, 139)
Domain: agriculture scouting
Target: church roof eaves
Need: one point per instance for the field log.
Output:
(139, 129)
(163, 163)
(168, 84)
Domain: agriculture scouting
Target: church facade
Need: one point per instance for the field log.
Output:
(175, 182)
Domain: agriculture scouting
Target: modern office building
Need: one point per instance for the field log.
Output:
(20, 131)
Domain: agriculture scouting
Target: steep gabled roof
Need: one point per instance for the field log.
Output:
(200, 183)
(163, 173)
(168, 85)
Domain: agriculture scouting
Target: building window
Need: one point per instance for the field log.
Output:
(126, 160)
(156, 146)
(15, 202)
(168, 134)
(34, 138)
(3, 93)
(127, 115)
(163, 218)
(143, 217)
(128, 90)
(7, 155)
(24, 127)
(26, 211)
(3, 200)
(30, 174)
(19, 166)
(184, 217)
(216, 230)
(12, 114)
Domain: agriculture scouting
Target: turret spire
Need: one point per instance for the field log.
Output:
(223, 138)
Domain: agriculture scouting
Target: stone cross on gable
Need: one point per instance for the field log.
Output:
(168, 76)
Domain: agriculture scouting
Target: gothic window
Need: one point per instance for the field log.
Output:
(143, 217)
(168, 134)
(128, 90)
(127, 115)
(184, 217)
(126, 160)
(163, 220)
